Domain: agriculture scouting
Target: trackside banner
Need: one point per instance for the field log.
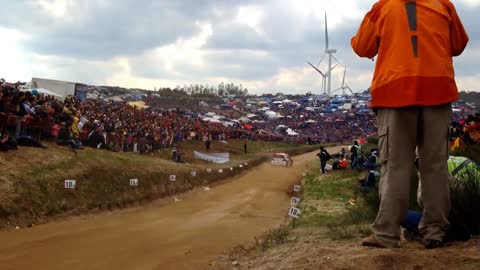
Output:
(213, 157)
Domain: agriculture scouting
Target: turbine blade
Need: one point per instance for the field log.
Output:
(323, 57)
(326, 32)
(314, 67)
(336, 90)
(348, 87)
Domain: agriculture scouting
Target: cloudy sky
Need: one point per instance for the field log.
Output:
(261, 44)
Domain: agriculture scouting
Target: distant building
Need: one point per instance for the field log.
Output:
(61, 88)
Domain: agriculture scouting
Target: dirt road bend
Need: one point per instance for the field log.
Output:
(181, 235)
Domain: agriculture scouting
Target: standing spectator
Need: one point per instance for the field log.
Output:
(412, 91)
(355, 151)
(324, 157)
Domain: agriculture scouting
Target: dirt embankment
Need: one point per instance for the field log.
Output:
(32, 190)
(185, 234)
(313, 249)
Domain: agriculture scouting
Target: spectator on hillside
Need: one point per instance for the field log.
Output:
(65, 136)
(324, 156)
(412, 91)
(341, 163)
(354, 153)
(371, 163)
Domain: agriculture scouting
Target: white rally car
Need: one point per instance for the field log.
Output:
(282, 159)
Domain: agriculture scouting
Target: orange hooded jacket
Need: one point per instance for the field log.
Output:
(415, 42)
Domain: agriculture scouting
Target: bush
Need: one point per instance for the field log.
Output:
(372, 140)
(465, 199)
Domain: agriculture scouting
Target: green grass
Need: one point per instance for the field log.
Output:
(326, 203)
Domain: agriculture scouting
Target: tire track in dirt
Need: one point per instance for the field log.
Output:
(182, 235)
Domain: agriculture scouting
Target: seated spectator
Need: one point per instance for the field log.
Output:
(371, 163)
(96, 139)
(65, 137)
(369, 183)
(341, 163)
(7, 143)
(30, 142)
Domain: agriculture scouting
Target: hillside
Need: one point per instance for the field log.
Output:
(32, 186)
(471, 97)
(327, 235)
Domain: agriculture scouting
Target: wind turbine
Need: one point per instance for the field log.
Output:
(344, 84)
(326, 76)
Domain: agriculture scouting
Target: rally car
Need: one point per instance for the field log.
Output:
(282, 159)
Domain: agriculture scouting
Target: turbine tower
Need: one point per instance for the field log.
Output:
(330, 53)
(344, 84)
(326, 75)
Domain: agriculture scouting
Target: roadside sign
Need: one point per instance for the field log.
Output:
(294, 200)
(70, 184)
(294, 212)
(133, 182)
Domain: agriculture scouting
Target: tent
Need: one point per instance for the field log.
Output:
(251, 115)
(271, 114)
(244, 119)
(361, 140)
(310, 121)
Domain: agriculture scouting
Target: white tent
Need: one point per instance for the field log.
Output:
(251, 115)
(210, 114)
(243, 119)
(310, 121)
(271, 115)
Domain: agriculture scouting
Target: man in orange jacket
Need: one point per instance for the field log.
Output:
(412, 89)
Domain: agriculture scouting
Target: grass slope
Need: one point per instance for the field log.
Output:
(32, 183)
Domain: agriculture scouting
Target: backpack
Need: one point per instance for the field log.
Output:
(327, 155)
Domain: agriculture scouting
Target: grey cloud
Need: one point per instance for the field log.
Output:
(113, 28)
(132, 27)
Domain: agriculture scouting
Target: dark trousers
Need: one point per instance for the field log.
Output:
(322, 166)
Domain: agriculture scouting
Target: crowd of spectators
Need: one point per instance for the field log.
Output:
(115, 126)
(465, 130)
(29, 117)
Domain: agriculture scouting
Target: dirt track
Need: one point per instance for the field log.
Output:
(182, 235)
